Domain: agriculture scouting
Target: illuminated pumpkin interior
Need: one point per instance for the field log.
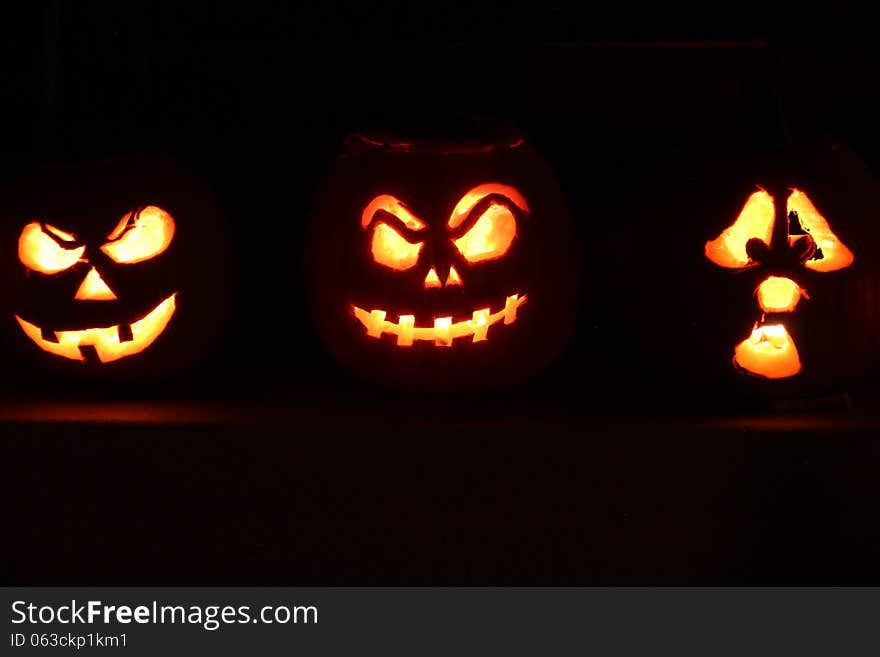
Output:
(768, 352)
(392, 206)
(493, 232)
(140, 235)
(490, 236)
(468, 201)
(391, 249)
(39, 251)
(442, 330)
(485, 237)
(93, 288)
(834, 253)
(432, 280)
(777, 294)
(754, 220)
(110, 343)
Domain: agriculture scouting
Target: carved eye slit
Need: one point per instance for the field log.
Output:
(391, 249)
(392, 206)
(388, 246)
(831, 253)
(755, 220)
(140, 235)
(490, 237)
(493, 232)
(40, 251)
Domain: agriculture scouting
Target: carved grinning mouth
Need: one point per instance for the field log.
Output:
(444, 330)
(107, 343)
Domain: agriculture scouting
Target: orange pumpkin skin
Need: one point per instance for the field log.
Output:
(104, 260)
(835, 323)
(439, 263)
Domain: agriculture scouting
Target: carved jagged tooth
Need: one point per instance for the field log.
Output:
(442, 334)
(510, 307)
(480, 324)
(125, 334)
(405, 324)
(89, 354)
(49, 336)
(377, 324)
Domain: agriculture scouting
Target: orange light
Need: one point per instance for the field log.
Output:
(391, 249)
(443, 331)
(39, 252)
(477, 194)
(67, 237)
(754, 220)
(93, 288)
(106, 341)
(768, 352)
(777, 294)
(392, 206)
(490, 236)
(149, 235)
(835, 254)
(432, 280)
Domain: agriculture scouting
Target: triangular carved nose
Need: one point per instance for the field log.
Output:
(450, 277)
(432, 280)
(93, 288)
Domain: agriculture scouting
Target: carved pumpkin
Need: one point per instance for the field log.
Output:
(778, 274)
(782, 237)
(441, 263)
(90, 327)
(98, 256)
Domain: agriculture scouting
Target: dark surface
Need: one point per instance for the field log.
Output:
(614, 467)
(374, 500)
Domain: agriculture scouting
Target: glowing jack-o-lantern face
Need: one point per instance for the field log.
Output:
(80, 313)
(439, 258)
(783, 238)
(115, 270)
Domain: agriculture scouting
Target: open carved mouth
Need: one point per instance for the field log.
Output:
(444, 330)
(104, 344)
(768, 352)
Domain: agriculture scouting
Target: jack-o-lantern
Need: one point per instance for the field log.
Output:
(783, 238)
(68, 309)
(786, 305)
(441, 263)
(100, 259)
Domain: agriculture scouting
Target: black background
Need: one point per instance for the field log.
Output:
(607, 469)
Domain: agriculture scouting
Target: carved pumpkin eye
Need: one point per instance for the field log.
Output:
(389, 247)
(834, 254)
(755, 220)
(490, 237)
(140, 235)
(40, 251)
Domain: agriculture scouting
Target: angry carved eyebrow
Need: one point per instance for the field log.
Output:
(391, 205)
(62, 237)
(474, 196)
